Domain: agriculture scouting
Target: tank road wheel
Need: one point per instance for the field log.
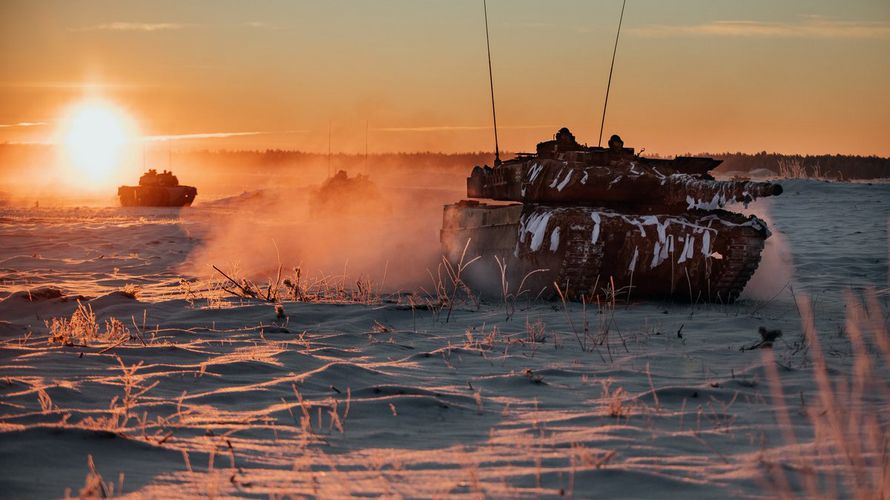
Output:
(737, 267)
(580, 264)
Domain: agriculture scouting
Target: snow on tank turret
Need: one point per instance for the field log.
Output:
(588, 218)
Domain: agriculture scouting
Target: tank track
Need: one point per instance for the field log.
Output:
(728, 279)
(580, 257)
(737, 267)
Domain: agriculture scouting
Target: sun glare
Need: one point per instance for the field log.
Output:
(96, 136)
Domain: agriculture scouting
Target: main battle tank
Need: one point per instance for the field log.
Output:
(590, 219)
(344, 196)
(157, 190)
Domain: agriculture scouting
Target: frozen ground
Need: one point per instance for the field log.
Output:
(224, 398)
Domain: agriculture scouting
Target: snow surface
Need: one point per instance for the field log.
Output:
(436, 408)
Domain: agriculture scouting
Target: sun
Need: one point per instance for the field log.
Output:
(96, 135)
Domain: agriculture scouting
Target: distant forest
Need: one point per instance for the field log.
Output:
(838, 167)
(379, 162)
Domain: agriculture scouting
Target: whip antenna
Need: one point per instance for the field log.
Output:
(494, 116)
(329, 149)
(612, 67)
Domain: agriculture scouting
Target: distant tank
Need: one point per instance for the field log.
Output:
(157, 190)
(591, 219)
(344, 195)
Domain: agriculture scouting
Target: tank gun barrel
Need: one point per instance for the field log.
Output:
(712, 194)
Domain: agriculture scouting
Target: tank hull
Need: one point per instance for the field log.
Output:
(695, 256)
(156, 196)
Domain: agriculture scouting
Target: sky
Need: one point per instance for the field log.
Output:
(796, 76)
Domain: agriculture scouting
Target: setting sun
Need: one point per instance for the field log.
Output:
(96, 135)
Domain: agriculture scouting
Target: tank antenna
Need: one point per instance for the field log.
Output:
(612, 67)
(494, 116)
(329, 149)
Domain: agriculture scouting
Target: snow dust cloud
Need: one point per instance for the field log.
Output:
(352, 225)
(776, 269)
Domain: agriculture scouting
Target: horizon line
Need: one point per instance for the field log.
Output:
(649, 154)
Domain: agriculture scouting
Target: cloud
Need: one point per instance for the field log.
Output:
(216, 135)
(22, 124)
(810, 27)
(170, 137)
(458, 128)
(77, 85)
(131, 26)
(151, 27)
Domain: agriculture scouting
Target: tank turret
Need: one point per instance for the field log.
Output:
(163, 179)
(565, 172)
(593, 215)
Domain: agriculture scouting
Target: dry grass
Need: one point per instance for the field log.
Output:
(535, 331)
(457, 284)
(130, 290)
(605, 299)
(616, 400)
(121, 407)
(96, 487)
(299, 287)
(448, 288)
(849, 453)
(510, 296)
(81, 328)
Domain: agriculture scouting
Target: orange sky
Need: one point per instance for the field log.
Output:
(808, 76)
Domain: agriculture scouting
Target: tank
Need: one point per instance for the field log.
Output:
(157, 190)
(592, 220)
(348, 196)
